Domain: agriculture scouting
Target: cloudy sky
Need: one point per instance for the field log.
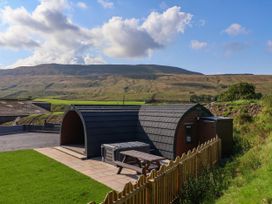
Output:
(209, 36)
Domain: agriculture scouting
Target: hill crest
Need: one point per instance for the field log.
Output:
(99, 69)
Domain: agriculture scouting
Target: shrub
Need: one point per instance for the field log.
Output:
(241, 144)
(239, 91)
(202, 98)
(244, 118)
(152, 99)
(208, 186)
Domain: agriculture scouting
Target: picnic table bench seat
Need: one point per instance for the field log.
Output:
(128, 166)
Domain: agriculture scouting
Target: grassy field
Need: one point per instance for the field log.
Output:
(29, 177)
(39, 119)
(80, 102)
(162, 87)
(60, 105)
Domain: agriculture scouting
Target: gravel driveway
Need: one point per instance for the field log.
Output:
(28, 141)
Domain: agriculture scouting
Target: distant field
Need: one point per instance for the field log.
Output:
(94, 89)
(79, 102)
(29, 177)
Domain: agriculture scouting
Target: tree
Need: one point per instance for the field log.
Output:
(202, 98)
(239, 91)
(152, 99)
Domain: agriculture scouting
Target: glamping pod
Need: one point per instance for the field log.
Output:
(169, 129)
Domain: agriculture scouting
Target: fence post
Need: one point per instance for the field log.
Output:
(210, 155)
(180, 176)
(219, 148)
(150, 191)
(196, 161)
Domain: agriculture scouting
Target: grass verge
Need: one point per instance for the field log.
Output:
(60, 105)
(78, 102)
(245, 177)
(253, 181)
(251, 168)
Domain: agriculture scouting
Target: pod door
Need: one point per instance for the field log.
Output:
(72, 133)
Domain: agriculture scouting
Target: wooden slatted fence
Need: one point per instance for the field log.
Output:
(163, 186)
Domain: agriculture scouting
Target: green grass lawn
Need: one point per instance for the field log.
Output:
(30, 177)
(252, 186)
(79, 102)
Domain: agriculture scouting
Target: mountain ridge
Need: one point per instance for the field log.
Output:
(101, 69)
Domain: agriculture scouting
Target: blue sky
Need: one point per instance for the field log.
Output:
(209, 36)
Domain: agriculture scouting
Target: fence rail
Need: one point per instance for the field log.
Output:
(6, 130)
(52, 128)
(163, 186)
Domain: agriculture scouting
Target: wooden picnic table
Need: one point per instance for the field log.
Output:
(142, 159)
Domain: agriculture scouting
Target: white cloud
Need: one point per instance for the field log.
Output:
(47, 32)
(124, 38)
(236, 29)
(9, 39)
(198, 45)
(234, 47)
(53, 38)
(81, 5)
(129, 38)
(94, 60)
(162, 27)
(106, 4)
(269, 45)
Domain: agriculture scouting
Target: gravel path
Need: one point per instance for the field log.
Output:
(28, 141)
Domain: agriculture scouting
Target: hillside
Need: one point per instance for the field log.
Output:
(245, 176)
(107, 82)
(250, 173)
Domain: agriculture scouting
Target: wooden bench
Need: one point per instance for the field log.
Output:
(122, 165)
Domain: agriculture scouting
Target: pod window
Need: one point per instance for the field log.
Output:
(189, 133)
